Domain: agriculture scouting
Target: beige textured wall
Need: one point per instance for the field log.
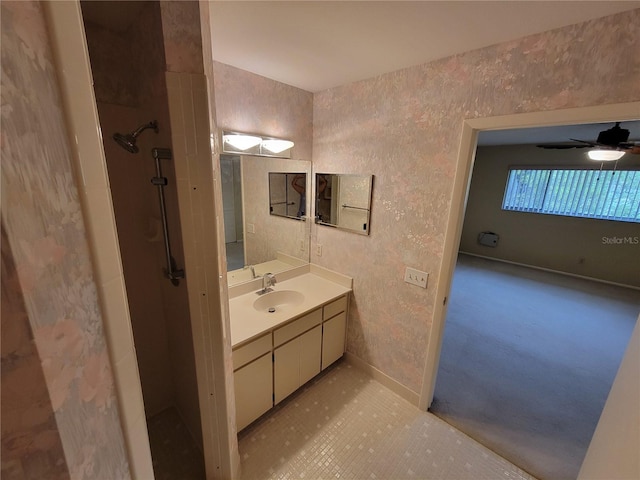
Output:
(549, 241)
(247, 102)
(182, 36)
(127, 63)
(404, 127)
(31, 446)
(44, 225)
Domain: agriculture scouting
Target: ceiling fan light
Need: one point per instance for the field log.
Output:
(242, 142)
(602, 155)
(277, 146)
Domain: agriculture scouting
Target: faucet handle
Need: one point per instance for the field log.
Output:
(268, 280)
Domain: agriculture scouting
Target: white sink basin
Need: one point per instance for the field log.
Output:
(278, 300)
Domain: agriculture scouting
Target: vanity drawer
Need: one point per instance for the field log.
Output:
(334, 308)
(297, 327)
(251, 351)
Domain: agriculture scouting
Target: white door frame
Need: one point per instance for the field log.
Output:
(466, 157)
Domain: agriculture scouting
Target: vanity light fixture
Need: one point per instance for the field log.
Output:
(241, 141)
(251, 144)
(603, 155)
(276, 146)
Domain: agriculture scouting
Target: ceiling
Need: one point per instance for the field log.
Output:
(316, 45)
(555, 134)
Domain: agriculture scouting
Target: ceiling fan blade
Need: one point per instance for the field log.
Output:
(632, 148)
(588, 143)
(560, 146)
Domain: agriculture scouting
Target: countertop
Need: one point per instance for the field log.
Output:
(317, 288)
(281, 263)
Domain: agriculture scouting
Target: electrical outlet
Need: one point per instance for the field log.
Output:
(416, 277)
(301, 244)
(251, 228)
(318, 250)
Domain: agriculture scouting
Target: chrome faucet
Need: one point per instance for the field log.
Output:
(253, 271)
(268, 281)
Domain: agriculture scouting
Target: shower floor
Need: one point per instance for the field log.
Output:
(174, 452)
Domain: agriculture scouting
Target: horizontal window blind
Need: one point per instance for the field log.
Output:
(609, 195)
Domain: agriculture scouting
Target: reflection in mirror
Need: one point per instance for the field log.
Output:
(287, 196)
(267, 242)
(232, 210)
(344, 201)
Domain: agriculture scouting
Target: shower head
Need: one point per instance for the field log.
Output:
(128, 140)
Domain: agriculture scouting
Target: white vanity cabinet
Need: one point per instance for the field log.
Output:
(334, 326)
(253, 380)
(297, 354)
(286, 356)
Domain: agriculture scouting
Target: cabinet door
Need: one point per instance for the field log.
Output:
(297, 362)
(310, 353)
(286, 369)
(254, 390)
(333, 335)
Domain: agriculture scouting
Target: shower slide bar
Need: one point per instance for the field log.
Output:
(172, 272)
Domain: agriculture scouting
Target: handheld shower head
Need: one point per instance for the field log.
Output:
(128, 140)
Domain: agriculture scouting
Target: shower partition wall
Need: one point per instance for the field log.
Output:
(129, 90)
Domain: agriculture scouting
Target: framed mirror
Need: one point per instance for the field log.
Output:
(343, 201)
(287, 194)
(253, 236)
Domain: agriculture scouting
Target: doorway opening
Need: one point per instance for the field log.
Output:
(446, 291)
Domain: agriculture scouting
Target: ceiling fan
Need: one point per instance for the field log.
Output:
(615, 139)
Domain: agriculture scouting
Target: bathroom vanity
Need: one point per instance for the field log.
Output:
(284, 338)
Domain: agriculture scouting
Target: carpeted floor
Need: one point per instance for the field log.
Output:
(528, 359)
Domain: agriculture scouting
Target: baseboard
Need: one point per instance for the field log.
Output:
(535, 267)
(393, 385)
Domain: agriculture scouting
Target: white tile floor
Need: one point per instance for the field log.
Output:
(343, 424)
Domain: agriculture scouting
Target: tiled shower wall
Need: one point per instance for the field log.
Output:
(201, 216)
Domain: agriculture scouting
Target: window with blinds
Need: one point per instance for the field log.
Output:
(603, 194)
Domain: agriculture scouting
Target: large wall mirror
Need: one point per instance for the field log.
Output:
(343, 201)
(253, 236)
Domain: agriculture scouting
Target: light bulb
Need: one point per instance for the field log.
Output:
(242, 142)
(605, 155)
(277, 146)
